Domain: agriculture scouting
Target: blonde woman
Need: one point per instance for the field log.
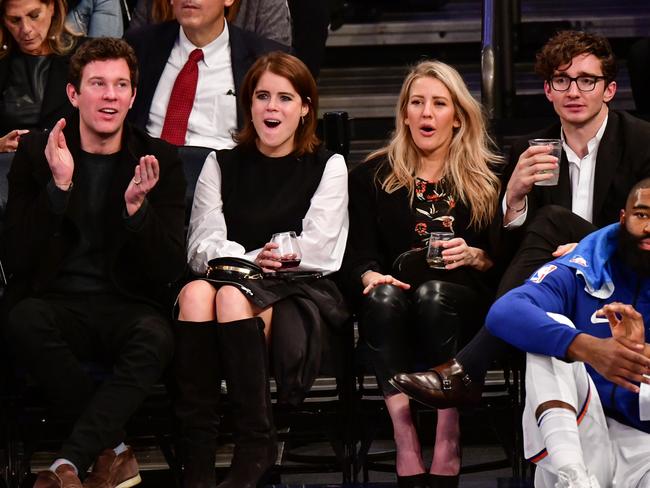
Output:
(434, 175)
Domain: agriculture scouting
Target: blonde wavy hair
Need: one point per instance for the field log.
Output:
(470, 156)
(59, 37)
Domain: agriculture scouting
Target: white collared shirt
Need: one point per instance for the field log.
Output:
(581, 175)
(213, 119)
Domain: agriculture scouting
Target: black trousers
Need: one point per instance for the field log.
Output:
(405, 330)
(552, 226)
(52, 336)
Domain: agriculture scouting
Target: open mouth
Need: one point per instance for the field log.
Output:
(427, 130)
(271, 123)
(108, 111)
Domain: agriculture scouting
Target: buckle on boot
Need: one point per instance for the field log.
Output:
(447, 383)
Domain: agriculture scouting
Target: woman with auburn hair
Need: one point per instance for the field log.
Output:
(35, 50)
(277, 179)
(434, 175)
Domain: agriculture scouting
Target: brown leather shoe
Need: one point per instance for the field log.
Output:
(63, 477)
(444, 386)
(113, 471)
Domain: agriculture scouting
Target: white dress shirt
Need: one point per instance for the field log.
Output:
(581, 175)
(213, 119)
(581, 172)
(324, 226)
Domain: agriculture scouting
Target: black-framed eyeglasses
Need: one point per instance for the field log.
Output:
(584, 83)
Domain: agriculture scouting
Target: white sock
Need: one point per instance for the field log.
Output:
(119, 449)
(61, 461)
(559, 428)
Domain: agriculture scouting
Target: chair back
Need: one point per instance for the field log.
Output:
(5, 165)
(193, 158)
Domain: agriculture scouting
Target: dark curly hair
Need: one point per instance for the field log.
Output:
(102, 49)
(566, 45)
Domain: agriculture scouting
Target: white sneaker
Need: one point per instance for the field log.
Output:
(575, 476)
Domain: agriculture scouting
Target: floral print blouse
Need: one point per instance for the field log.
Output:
(433, 207)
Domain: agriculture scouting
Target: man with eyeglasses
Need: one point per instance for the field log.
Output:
(604, 153)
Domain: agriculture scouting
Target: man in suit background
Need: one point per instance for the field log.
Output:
(604, 154)
(164, 52)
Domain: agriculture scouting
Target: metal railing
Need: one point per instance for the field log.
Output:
(500, 21)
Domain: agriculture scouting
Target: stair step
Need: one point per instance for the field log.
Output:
(459, 21)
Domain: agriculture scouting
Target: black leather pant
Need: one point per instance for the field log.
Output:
(428, 321)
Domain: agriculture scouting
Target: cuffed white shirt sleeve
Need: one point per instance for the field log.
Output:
(207, 234)
(520, 219)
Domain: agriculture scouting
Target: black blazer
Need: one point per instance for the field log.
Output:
(55, 100)
(141, 262)
(623, 159)
(154, 43)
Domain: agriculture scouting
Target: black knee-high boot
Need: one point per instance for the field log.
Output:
(244, 359)
(196, 384)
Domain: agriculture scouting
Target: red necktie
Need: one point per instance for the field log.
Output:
(181, 101)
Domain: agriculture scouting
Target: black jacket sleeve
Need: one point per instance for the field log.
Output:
(156, 247)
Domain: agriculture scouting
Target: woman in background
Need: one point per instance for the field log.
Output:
(35, 52)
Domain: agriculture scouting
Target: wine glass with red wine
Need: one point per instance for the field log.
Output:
(288, 249)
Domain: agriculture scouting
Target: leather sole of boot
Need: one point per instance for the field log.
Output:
(136, 480)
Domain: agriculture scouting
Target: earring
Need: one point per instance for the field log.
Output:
(5, 47)
(302, 120)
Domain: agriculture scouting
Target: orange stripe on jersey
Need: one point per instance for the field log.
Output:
(539, 456)
(585, 407)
